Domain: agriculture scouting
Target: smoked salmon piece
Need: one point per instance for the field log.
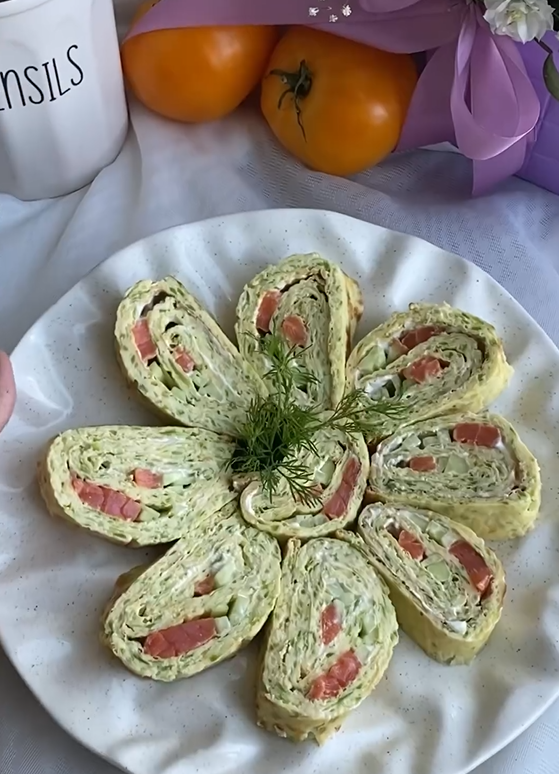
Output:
(419, 335)
(177, 640)
(331, 624)
(338, 677)
(423, 464)
(337, 504)
(477, 434)
(268, 305)
(147, 479)
(411, 544)
(205, 586)
(424, 368)
(474, 564)
(143, 341)
(107, 500)
(295, 330)
(184, 360)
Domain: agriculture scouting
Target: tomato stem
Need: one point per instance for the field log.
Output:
(299, 84)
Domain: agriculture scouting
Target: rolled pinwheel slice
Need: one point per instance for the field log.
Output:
(337, 479)
(430, 360)
(209, 595)
(329, 642)
(472, 468)
(175, 354)
(447, 586)
(314, 307)
(136, 485)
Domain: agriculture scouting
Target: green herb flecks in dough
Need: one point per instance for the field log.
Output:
(447, 586)
(429, 360)
(305, 466)
(178, 358)
(473, 468)
(199, 604)
(329, 642)
(136, 485)
(308, 303)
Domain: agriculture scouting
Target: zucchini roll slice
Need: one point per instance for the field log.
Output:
(209, 595)
(430, 360)
(337, 479)
(137, 485)
(314, 307)
(471, 468)
(447, 586)
(178, 358)
(330, 640)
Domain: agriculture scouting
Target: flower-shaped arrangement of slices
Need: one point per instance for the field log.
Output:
(275, 445)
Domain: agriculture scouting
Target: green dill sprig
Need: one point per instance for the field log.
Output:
(277, 429)
(356, 414)
(275, 432)
(286, 371)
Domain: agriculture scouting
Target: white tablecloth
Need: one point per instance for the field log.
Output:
(169, 174)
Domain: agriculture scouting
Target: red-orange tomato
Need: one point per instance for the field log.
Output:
(337, 105)
(196, 74)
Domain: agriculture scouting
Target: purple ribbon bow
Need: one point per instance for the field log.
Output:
(403, 26)
(475, 93)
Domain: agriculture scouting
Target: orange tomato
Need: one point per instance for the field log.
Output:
(195, 74)
(336, 105)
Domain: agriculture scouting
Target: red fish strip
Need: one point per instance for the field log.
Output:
(143, 341)
(330, 624)
(205, 586)
(336, 505)
(474, 564)
(423, 464)
(295, 330)
(184, 360)
(268, 305)
(147, 479)
(338, 677)
(424, 368)
(178, 640)
(411, 544)
(477, 434)
(108, 501)
(419, 335)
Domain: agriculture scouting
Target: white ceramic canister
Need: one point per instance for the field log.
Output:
(63, 114)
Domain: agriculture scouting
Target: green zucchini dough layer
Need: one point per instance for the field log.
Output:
(454, 362)
(493, 490)
(322, 302)
(329, 642)
(136, 485)
(209, 595)
(178, 358)
(338, 475)
(437, 602)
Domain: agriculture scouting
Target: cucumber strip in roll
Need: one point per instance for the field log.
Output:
(329, 642)
(447, 586)
(430, 360)
(314, 307)
(336, 479)
(175, 354)
(209, 595)
(136, 485)
(472, 468)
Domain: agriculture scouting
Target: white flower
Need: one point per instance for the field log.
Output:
(522, 20)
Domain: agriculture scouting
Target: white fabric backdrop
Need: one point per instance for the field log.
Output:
(169, 174)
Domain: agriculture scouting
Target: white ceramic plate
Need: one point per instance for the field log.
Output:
(54, 580)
